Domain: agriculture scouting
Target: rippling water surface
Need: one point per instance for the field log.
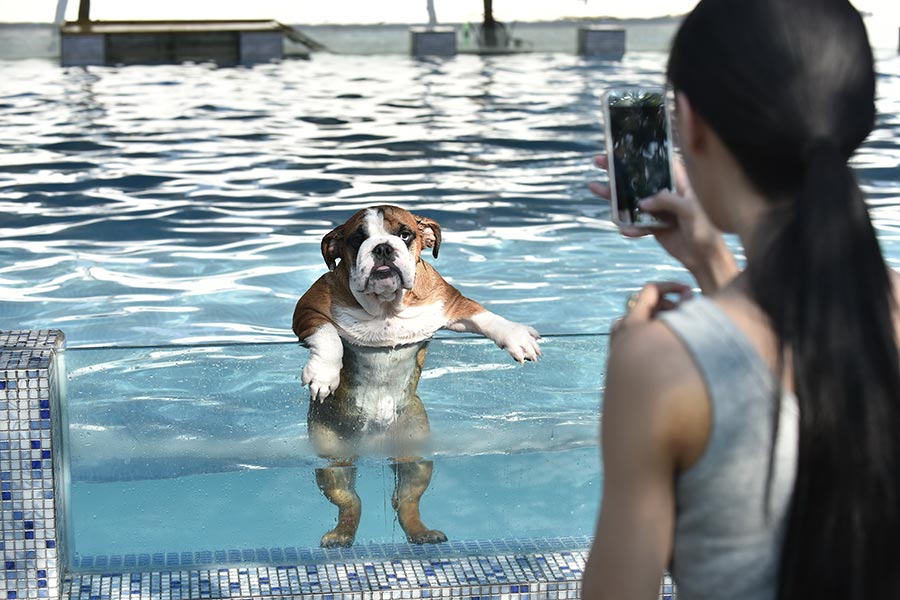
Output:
(185, 204)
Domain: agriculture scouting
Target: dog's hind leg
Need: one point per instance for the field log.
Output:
(338, 483)
(413, 477)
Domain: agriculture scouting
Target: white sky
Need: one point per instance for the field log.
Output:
(372, 11)
(341, 11)
(883, 23)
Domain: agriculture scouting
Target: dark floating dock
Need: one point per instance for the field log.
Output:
(226, 43)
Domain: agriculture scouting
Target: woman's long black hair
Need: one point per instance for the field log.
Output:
(789, 87)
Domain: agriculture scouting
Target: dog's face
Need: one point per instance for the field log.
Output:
(381, 246)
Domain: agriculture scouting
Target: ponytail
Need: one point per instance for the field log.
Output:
(823, 283)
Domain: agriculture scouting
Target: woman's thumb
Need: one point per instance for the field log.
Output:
(665, 202)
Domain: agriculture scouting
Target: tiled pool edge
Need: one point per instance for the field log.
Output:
(30, 463)
(541, 576)
(358, 553)
(511, 569)
(551, 576)
(32, 525)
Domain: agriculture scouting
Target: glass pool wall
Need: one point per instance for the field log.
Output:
(202, 453)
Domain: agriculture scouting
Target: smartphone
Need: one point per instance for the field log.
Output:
(639, 146)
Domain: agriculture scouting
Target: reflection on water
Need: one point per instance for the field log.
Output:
(149, 205)
(186, 204)
(162, 204)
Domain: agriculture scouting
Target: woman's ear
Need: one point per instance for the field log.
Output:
(692, 129)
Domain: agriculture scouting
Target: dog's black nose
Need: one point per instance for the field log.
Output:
(383, 251)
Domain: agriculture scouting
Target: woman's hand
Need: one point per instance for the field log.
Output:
(653, 298)
(690, 238)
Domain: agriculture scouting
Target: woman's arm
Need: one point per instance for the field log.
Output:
(655, 423)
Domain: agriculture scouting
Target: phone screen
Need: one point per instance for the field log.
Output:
(639, 151)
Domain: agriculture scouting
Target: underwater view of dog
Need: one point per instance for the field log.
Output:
(367, 324)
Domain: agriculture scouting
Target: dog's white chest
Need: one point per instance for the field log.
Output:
(407, 326)
(380, 380)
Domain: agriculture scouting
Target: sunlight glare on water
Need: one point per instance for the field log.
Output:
(185, 204)
(151, 205)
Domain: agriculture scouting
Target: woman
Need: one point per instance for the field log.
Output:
(751, 438)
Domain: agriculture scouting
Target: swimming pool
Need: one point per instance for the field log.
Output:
(167, 219)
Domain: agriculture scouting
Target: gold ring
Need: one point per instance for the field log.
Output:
(632, 301)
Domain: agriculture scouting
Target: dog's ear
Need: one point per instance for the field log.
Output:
(331, 246)
(430, 232)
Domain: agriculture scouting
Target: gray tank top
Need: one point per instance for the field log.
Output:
(726, 545)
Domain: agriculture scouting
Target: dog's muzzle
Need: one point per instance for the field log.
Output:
(379, 262)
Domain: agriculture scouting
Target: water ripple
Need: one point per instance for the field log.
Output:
(186, 203)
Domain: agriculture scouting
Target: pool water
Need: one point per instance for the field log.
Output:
(167, 218)
(471, 498)
(156, 205)
(185, 204)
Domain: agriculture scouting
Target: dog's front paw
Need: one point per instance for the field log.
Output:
(521, 341)
(321, 377)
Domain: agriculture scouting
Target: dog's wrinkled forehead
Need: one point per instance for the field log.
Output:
(381, 221)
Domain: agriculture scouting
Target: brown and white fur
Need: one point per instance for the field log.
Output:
(367, 323)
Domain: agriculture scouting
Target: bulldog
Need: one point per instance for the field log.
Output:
(367, 324)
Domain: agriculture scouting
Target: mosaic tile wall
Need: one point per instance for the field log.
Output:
(28, 527)
(33, 478)
(550, 576)
(365, 552)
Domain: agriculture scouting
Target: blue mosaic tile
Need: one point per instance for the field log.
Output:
(28, 519)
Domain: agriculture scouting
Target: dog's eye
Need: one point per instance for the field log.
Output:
(405, 235)
(356, 240)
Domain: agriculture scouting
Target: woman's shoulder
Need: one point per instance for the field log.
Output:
(650, 359)
(650, 372)
(642, 342)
